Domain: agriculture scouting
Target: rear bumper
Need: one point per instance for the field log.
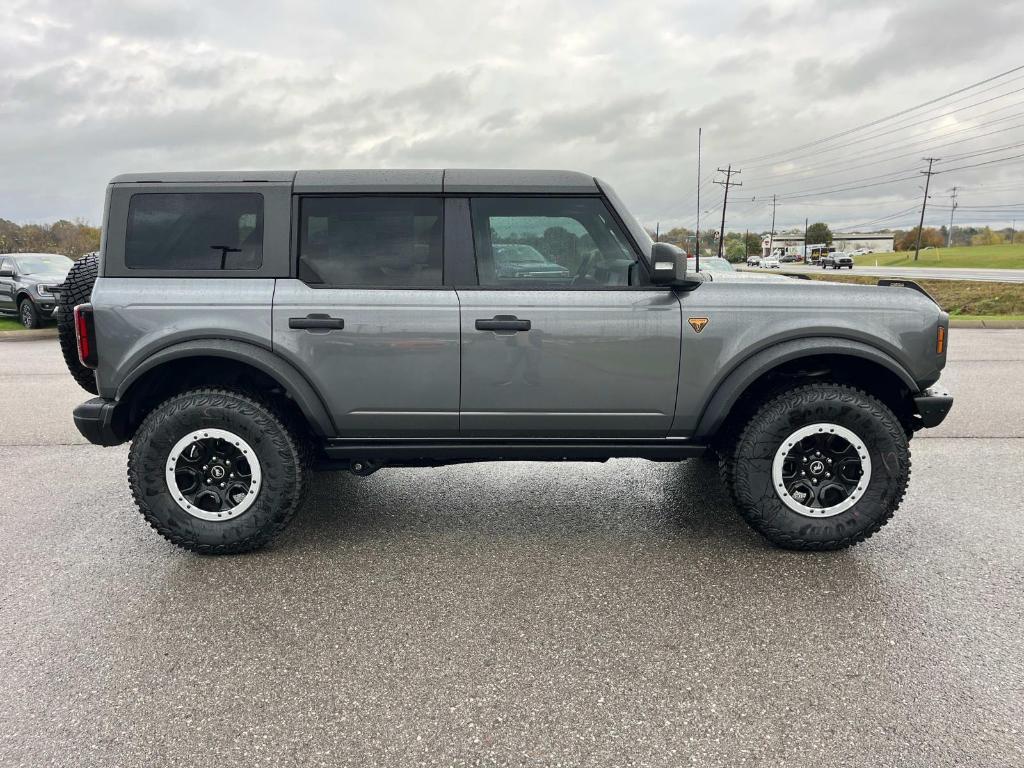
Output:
(932, 406)
(96, 419)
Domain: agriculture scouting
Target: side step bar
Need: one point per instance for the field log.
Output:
(434, 452)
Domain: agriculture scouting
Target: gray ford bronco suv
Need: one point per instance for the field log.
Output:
(243, 329)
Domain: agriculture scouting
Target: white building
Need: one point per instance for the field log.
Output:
(793, 243)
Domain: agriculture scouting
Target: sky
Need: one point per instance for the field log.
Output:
(89, 90)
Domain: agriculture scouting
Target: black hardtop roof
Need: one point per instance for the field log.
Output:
(475, 180)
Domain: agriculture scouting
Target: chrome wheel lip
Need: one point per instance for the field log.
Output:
(246, 450)
(778, 484)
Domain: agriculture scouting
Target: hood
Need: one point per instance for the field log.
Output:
(50, 276)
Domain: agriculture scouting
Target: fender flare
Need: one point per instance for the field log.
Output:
(746, 373)
(281, 371)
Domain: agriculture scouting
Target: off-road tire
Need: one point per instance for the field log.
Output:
(749, 473)
(77, 289)
(28, 315)
(283, 453)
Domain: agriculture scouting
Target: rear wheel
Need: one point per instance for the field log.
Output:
(821, 467)
(77, 289)
(217, 471)
(28, 314)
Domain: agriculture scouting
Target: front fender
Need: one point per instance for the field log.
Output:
(735, 383)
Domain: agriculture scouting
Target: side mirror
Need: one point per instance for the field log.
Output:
(668, 264)
(6, 272)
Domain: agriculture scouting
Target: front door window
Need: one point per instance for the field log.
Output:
(558, 242)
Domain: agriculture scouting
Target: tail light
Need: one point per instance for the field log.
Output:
(940, 340)
(85, 334)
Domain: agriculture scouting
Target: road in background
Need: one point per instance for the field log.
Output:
(912, 273)
(514, 614)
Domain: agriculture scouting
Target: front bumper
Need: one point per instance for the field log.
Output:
(97, 420)
(932, 406)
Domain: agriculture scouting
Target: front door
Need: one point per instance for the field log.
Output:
(556, 341)
(368, 320)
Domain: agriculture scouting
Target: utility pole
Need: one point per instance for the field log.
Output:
(725, 201)
(805, 241)
(746, 234)
(657, 231)
(771, 232)
(924, 203)
(696, 231)
(952, 209)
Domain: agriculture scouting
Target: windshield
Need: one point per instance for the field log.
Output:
(29, 265)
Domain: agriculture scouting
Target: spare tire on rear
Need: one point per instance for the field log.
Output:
(77, 289)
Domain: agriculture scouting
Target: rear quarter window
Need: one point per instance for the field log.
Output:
(195, 231)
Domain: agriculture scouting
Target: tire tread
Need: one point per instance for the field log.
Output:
(289, 440)
(738, 483)
(77, 289)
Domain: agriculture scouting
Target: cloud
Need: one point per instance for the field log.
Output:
(934, 36)
(90, 90)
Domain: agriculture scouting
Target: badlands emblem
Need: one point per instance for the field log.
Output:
(698, 323)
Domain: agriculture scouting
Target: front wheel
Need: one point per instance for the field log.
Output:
(217, 471)
(822, 467)
(28, 314)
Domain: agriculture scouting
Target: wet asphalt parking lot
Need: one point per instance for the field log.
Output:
(514, 614)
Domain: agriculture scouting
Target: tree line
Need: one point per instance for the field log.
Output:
(738, 245)
(71, 238)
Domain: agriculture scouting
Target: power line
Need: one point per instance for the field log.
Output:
(979, 165)
(881, 120)
(989, 207)
(888, 148)
(942, 135)
(818, 193)
(849, 186)
(966, 155)
(879, 220)
(920, 122)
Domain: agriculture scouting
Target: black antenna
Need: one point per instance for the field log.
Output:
(696, 231)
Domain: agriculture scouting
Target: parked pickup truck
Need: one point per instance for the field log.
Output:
(836, 260)
(242, 329)
(29, 285)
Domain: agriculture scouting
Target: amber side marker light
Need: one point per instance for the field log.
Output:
(940, 342)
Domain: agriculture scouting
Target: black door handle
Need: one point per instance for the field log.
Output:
(316, 323)
(503, 323)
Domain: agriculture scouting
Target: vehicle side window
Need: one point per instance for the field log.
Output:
(371, 241)
(549, 241)
(195, 231)
(7, 264)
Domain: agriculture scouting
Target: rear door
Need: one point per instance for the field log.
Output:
(561, 338)
(368, 318)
